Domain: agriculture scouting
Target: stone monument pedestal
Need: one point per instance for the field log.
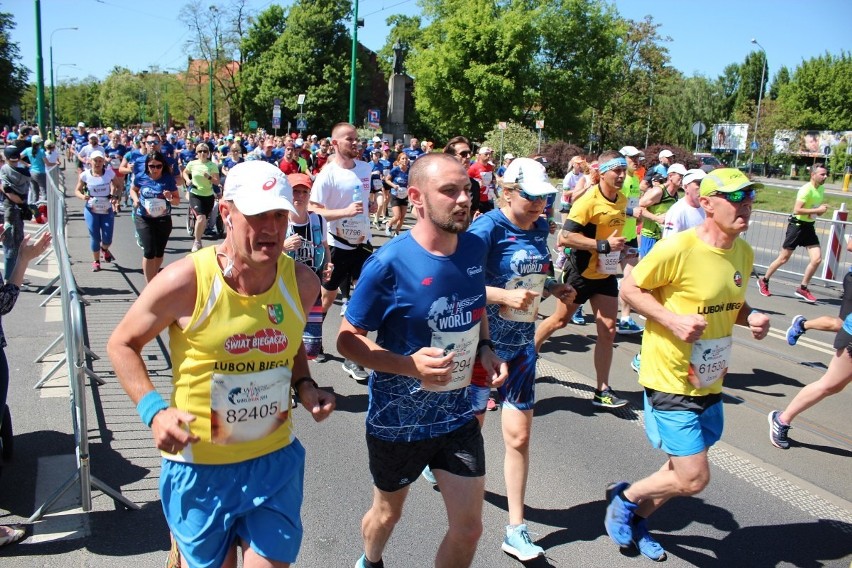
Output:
(396, 106)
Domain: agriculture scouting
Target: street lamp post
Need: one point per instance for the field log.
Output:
(211, 117)
(356, 23)
(52, 90)
(759, 99)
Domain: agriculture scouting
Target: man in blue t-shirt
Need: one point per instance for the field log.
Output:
(413, 151)
(424, 293)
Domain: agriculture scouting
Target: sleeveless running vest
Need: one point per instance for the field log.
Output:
(233, 363)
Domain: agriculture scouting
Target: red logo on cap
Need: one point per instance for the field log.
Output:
(270, 183)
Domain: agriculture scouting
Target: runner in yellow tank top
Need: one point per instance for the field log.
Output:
(235, 315)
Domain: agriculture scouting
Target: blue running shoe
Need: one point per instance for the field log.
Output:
(628, 327)
(796, 329)
(619, 515)
(429, 476)
(636, 362)
(778, 431)
(578, 318)
(518, 543)
(362, 562)
(646, 544)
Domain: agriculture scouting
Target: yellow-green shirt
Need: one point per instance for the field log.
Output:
(233, 364)
(202, 186)
(812, 198)
(688, 276)
(631, 191)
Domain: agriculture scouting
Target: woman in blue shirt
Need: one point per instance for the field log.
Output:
(397, 179)
(154, 193)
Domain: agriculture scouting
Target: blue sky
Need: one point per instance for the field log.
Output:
(706, 36)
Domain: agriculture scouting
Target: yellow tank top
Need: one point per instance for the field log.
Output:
(233, 363)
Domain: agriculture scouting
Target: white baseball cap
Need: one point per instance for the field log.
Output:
(630, 151)
(485, 150)
(509, 156)
(257, 187)
(97, 154)
(677, 169)
(665, 154)
(693, 175)
(529, 175)
(81, 125)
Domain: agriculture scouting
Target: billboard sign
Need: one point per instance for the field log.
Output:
(809, 143)
(730, 137)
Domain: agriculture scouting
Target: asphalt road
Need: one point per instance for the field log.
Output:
(764, 506)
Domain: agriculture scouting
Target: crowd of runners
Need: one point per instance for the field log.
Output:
(441, 319)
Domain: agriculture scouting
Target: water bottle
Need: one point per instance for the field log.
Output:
(357, 197)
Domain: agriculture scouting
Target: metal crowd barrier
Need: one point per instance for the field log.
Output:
(763, 235)
(74, 359)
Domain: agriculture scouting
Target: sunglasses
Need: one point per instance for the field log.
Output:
(202, 152)
(529, 197)
(465, 154)
(736, 196)
(150, 141)
(155, 166)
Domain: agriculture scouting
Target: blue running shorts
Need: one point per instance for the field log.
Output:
(683, 432)
(209, 507)
(518, 391)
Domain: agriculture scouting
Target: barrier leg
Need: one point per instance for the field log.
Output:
(53, 281)
(55, 368)
(55, 497)
(116, 496)
(44, 353)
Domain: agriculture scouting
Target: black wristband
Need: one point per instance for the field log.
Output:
(603, 246)
(629, 211)
(484, 343)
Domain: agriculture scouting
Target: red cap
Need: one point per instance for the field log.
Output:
(300, 179)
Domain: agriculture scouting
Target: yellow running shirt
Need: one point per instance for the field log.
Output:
(596, 217)
(631, 191)
(233, 364)
(688, 276)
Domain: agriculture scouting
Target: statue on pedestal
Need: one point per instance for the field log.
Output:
(397, 58)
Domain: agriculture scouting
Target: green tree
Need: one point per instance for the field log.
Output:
(752, 71)
(119, 98)
(516, 138)
(782, 77)
(310, 56)
(579, 49)
(819, 94)
(13, 75)
(482, 70)
(729, 84)
(685, 101)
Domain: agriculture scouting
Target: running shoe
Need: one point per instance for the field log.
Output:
(429, 476)
(108, 256)
(763, 286)
(636, 362)
(96, 266)
(518, 543)
(491, 405)
(608, 399)
(387, 230)
(344, 303)
(805, 295)
(578, 318)
(196, 246)
(628, 327)
(619, 515)
(321, 357)
(778, 431)
(355, 370)
(646, 544)
(796, 329)
(362, 562)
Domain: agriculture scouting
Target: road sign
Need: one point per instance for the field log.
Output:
(755, 146)
(276, 102)
(300, 100)
(501, 125)
(539, 124)
(276, 122)
(252, 124)
(698, 128)
(276, 112)
(301, 124)
(191, 120)
(374, 118)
